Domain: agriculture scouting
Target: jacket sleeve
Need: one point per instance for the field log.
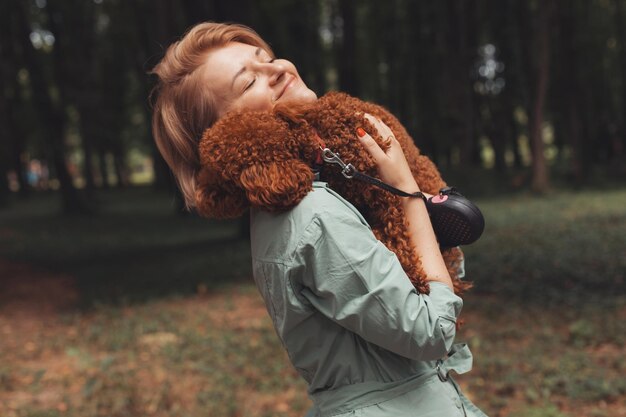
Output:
(354, 280)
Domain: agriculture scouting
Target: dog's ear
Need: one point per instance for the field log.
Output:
(251, 159)
(217, 197)
(277, 186)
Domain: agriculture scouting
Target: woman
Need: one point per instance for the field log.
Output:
(354, 327)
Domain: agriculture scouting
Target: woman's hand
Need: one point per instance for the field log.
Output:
(394, 170)
(392, 165)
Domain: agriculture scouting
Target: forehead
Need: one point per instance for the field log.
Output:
(230, 53)
(223, 63)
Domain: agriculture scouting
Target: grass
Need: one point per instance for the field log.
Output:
(171, 325)
(535, 360)
(564, 247)
(135, 248)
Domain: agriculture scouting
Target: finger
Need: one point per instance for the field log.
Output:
(381, 127)
(370, 145)
(387, 137)
(374, 121)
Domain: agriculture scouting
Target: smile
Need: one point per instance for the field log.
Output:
(287, 84)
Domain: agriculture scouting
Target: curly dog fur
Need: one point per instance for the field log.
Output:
(264, 160)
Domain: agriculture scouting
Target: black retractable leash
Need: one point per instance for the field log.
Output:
(455, 219)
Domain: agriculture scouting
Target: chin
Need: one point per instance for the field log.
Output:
(307, 96)
(302, 97)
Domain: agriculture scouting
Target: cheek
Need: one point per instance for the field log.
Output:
(258, 102)
(252, 102)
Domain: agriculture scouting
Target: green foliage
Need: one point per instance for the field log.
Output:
(42, 413)
(87, 94)
(547, 410)
(132, 249)
(565, 247)
(581, 332)
(562, 248)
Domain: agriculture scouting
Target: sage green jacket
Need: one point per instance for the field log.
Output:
(353, 325)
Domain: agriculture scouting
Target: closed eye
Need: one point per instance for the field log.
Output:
(250, 84)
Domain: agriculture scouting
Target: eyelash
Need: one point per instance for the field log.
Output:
(253, 80)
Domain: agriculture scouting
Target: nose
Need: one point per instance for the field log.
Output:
(273, 70)
(277, 76)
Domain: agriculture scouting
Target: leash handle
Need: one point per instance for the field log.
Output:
(456, 220)
(349, 171)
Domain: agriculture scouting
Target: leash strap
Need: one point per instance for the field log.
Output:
(350, 172)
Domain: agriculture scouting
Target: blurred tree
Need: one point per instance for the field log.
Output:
(345, 47)
(501, 85)
(116, 90)
(567, 102)
(4, 154)
(618, 140)
(428, 107)
(48, 96)
(73, 24)
(460, 44)
(516, 91)
(12, 145)
(81, 67)
(541, 67)
(148, 43)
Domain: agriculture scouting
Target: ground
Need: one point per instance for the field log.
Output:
(215, 353)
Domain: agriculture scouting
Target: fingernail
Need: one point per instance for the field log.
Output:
(360, 132)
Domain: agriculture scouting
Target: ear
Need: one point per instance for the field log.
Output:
(277, 186)
(217, 197)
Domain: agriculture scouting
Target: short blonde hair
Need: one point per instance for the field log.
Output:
(184, 104)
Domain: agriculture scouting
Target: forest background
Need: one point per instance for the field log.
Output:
(111, 295)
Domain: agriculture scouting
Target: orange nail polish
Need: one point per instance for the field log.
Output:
(360, 132)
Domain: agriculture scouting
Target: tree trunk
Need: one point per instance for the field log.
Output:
(4, 152)
(16, 138)
(147, 37)
(567, 83)
(120, 169)
(619, 143)
(52, 117)
(515, 134)
(467, 43)
(86, 124)
(499, 137)
(516, 83)
(103, 169)
(10, 101)
(79, 78)
(540, 177)
(346, 59)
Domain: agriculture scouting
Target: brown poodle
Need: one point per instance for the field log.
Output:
(265, 160)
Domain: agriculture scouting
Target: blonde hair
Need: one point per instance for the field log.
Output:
(184, 104)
